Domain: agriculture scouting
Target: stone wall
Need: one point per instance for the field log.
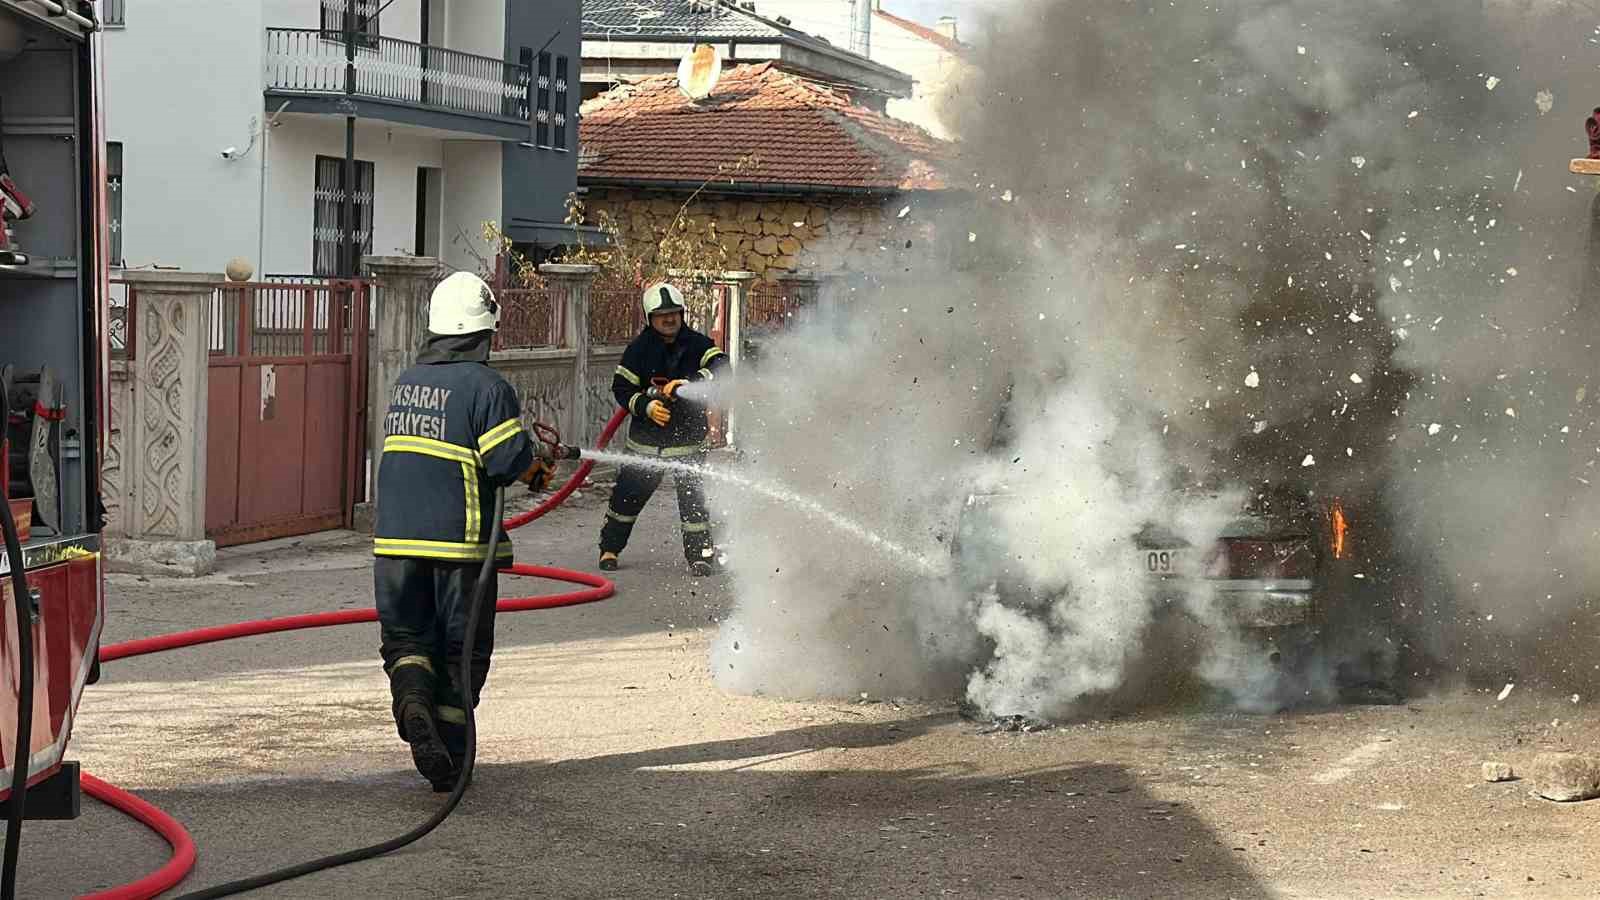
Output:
(543, 381)
(771, 236)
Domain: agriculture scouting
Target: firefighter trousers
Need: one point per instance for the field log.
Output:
(635, 486)
(422, 623)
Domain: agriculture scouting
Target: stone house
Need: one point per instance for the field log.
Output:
(793, 175)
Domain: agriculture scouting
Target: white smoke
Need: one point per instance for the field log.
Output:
(1220, 245)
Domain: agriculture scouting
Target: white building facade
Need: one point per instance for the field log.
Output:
(227, 130)
(931, 54)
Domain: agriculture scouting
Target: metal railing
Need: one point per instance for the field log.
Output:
(530, 318)
(280, 319)
(615, 316)
(312, 61)
(770, 307)
(299, 318)
(124, 306)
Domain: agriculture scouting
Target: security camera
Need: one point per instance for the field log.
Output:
(230, 153)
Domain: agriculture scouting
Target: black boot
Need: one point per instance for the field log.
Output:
(455, 740)
(411, 686)
(428, 752)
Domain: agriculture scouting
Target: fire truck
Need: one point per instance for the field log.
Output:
(54, 349)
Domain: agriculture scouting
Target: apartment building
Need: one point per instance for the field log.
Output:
(227, 125)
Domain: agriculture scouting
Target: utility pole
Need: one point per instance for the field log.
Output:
(349, 258)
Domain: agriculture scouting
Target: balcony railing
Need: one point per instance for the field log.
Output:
(311, 61)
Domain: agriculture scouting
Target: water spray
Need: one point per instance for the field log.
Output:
(917, 561)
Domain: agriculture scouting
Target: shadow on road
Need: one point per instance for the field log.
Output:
(766, 816)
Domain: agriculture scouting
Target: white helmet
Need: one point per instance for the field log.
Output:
(662, 298)
(462, 304)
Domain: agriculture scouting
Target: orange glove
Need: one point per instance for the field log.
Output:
(670, 389)
(658, 413)
(543, 473)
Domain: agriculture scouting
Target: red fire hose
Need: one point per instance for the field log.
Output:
(170, 830)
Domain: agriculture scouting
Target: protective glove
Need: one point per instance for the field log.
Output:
(658, 413)
(540, 476)
(670, 389)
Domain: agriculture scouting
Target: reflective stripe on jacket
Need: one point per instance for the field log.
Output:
(692, 356)
(452, 434)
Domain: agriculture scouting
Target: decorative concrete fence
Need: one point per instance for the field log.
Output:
(155, 469)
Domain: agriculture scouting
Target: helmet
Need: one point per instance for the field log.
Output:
(662, 298)
(462, 304)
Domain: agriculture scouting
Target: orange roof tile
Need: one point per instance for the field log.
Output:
(802, 133)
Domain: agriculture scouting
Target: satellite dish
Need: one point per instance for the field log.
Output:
(698, 71)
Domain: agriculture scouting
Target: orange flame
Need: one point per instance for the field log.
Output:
(1340, 528)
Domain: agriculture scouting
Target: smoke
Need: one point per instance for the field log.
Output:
(1216, 250)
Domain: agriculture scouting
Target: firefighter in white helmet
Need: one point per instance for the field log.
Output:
(665, 356)
(453, 434)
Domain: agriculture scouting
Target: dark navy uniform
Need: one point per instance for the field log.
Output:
(453, 434)
(691, 356)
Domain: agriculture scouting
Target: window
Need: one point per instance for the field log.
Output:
(560, 109)
(541, 108)
(366, 21)
(114, 199)
(327, 227)
(114, 14)
(550, 101)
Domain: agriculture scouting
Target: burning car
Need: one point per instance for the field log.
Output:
(1282, 575)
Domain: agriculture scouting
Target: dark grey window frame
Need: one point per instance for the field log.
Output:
(114, 201)
(368, 27)
(327, 213)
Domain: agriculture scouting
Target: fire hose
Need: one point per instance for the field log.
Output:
(183, 848)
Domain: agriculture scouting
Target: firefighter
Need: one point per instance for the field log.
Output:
(665, 356)
(452, 436)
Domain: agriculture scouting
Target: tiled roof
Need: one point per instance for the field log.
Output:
(710, 19)
(924, 32)
(804, 134)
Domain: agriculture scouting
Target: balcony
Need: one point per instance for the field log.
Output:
(400, 81)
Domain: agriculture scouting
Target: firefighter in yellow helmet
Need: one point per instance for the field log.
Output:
(666, 355)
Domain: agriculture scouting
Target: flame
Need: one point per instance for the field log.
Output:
(1340, 529)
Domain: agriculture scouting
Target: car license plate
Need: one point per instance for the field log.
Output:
(1163, 562)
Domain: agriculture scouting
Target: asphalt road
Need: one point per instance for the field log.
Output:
(611, 766)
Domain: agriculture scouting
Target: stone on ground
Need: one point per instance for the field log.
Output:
(1566, 776)
(1497, 771)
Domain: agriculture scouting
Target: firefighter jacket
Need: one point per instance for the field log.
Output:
(692, 357)
(452, 435)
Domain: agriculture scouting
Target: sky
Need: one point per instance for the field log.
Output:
(929, 11)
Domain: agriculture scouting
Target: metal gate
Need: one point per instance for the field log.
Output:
(286, 421)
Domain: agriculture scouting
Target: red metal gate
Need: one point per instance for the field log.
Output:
(286, 423)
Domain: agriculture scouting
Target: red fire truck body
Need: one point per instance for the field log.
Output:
(54, 351)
